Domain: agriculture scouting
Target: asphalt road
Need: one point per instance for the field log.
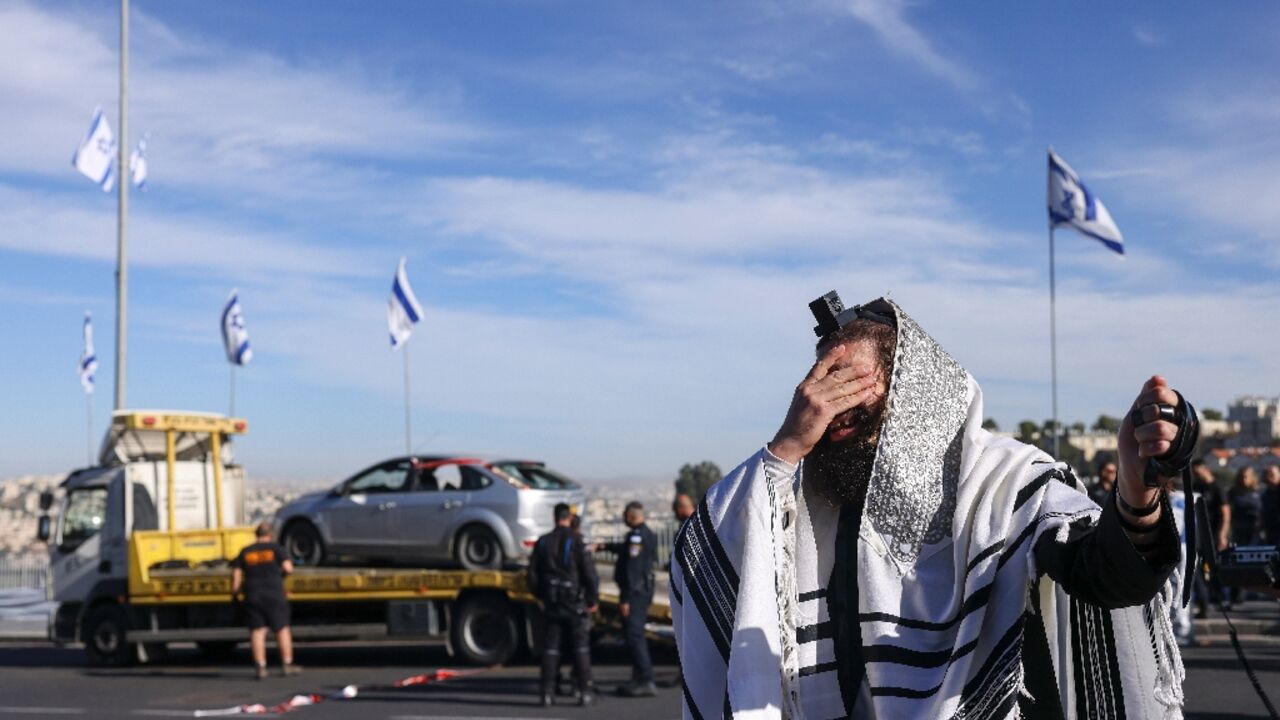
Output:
(39, 681)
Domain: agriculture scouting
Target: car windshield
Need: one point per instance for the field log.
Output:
(535, 476)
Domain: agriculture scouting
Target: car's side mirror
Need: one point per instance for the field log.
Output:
(44, 528)
(46, 500)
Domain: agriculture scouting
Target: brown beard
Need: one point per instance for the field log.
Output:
(839, 472)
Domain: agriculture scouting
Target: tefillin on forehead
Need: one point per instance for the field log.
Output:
(832, 315)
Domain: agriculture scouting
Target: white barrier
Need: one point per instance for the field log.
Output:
(23, 572)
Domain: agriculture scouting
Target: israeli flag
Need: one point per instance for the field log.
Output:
(1071, 204)
(95, 158)
(403, 310)
(234, 336)
(138, 165)
(88, 359)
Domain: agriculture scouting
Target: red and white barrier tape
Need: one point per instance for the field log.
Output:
(345, 693)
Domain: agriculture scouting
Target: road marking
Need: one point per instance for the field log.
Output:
(164, 713)
(41, 710)
(463, 717)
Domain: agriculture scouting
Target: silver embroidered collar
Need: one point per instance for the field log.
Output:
(911, 498)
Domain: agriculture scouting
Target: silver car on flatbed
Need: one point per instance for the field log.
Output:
(437, 510)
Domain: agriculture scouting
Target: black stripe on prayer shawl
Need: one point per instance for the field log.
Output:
(994, 548)
(1065, 477)
(1001, 664)
(916, 658)
(676, 592)
(711, 581)
(813, 595)
(974, 602)
(688, 700)
(819, 668)
(1026, 533)
(992, 692)
(814, 633)
(1097, 671)
(978, 598)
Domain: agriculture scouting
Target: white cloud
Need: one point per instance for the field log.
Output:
(887, 18)
(49, 224)
(238, 122)
(1148, 36)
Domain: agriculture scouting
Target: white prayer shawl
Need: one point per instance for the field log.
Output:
(946, 577)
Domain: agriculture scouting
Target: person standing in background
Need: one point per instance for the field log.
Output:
(637, 554)
(1215, 501)
(259, 571)
(1271, 505)
(563, 578)
(682, 507)
(1246, 507)
(1246, 515)
(1101, 490)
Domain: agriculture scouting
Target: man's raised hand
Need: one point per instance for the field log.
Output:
(1152, 437)
(830, 388)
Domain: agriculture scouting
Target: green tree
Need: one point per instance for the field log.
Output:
(1028, 431)
(1106, 423)
(991, 424)
(693, 480)
(1211, 414)
(1077, 428)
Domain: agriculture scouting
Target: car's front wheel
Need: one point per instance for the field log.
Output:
(302, 543)
(478, 549)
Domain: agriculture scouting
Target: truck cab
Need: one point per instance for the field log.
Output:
(160, 475)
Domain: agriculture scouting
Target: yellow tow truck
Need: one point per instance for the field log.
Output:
(141, 545)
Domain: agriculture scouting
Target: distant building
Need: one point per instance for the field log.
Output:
(1258, 420)
(1093, 442)
(1232, 459)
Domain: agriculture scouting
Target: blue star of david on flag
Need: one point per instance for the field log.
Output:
(1071, 204)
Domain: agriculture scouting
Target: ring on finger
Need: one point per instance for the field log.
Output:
(1163, 412)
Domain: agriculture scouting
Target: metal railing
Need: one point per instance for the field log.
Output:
(23, 572)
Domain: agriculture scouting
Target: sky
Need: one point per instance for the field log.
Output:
(616, 213)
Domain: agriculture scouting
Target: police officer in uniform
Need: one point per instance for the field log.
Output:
(637, 555)
(563, 578)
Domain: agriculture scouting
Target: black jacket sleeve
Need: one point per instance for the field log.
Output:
(1099, 564)
(587, 577)
(535, 569)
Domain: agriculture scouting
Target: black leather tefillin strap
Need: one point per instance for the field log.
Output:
(1173, 463)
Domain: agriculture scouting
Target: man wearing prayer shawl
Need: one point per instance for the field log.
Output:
(885, 557)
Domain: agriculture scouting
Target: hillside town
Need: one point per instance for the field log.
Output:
(20, 508)
(1247, 436)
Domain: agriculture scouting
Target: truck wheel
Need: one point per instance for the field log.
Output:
(478, 549)
(483, 630)
(104, 637)
(302, 543)
(217, 650)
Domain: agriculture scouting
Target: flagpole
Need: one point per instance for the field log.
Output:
(1053, 342)
(408, 445)
(122, 211)
(88, 424)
